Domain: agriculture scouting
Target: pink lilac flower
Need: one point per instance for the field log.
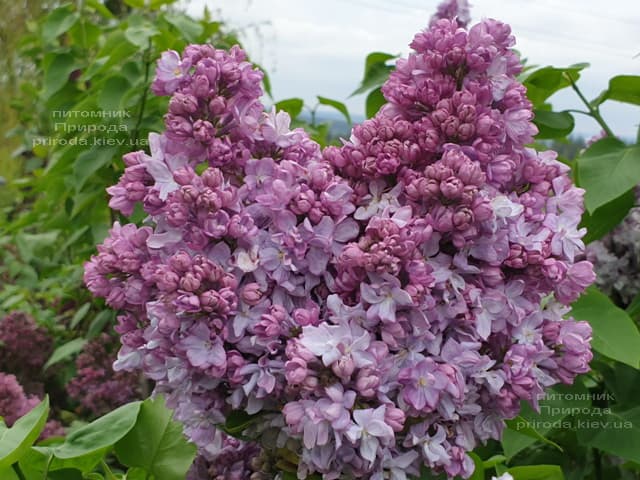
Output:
(376, 307)
(14, 403)
(96, 386)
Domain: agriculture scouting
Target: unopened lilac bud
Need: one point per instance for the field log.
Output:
(296, 371)
(344, 367)
(439, 116)
(443, 219)
(136, 191)
(203, 131)
(181, 104)
(190, 282)
(217, 106)
(466, 131)
(462, 218)
(211, 301)
(451, 187)
(212, 178)
(367, 383)
(251, 294)
(183, 176)
(181, 261)
(394, 417)
(189, 193)
(450, 126)
(200, 86)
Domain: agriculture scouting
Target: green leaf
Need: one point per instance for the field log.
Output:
(493, 461)
(293, 106)
(7, 473)
(622, 88)
(375, 100)
(99, 322)
(544, 82)
(100, 435)
(341, 107)
(100, 8)
(537, 472)
(185, 25)
(615, 335)
(157, 443)
(553, 409)
(553, 124)
(478, 472)
(607, 217)
(376, 58)
(79, 315)
(111, 93)
(238, 421)
(56, 75)
(617, 433)
(375, 78)
(607, 170)
(65, 351)
(376, 71)
(90, 161)
(523, 427)
(633, 309)
(57, 22)
(17, 440)
(135, 474)
(139, 32)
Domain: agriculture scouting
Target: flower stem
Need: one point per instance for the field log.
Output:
(594, 112)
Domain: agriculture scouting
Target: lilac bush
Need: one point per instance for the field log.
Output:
(372, 308)
(24, 349)
(96, 386)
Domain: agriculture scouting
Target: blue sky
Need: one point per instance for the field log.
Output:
(315, 48)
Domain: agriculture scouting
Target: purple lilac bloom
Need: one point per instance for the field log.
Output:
(24, 349)
(377, 304)
(96, 386)
(15, 403)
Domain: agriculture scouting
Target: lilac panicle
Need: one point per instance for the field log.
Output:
(378, 306)
(96, 386)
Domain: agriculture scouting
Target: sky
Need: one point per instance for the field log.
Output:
(314, 48)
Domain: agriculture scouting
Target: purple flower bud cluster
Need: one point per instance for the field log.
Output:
(96, 386)
(15, 403)
(457, 10)
(24, 349)
(375, 307)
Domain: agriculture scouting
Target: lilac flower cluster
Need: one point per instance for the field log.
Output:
(15, 403)
(375, 307)
(96, 386)
(24, 349)
(457, 10)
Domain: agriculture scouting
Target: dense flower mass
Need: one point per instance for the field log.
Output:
(24, 349)
(376, 307)
(96, 386)
(15, 403)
